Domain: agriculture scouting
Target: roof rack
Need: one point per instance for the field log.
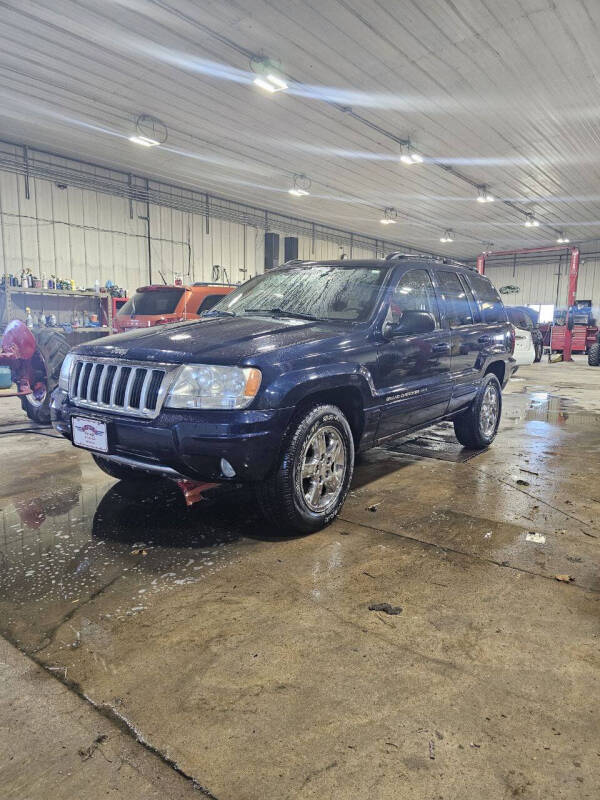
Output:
(440, 259)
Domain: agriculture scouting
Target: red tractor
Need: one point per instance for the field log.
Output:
(33, 359)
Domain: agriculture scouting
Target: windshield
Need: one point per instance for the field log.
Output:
(156, 301)
(320, 292)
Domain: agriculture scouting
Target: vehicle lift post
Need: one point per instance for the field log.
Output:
(574, 260)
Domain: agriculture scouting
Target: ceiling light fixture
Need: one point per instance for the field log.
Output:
(150, 131)
(271, 83)
(300, 186)
(408, 155)
(562, 239)
(390, 216)
(145, 141)
(531, 221)
(448, 236)
(268, 75)
(483, 195)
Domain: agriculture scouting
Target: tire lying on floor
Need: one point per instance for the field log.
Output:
(594, 355)
(52, 347)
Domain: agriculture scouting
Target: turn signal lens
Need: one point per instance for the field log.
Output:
(253, 379)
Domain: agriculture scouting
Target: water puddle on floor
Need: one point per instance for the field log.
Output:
(546, 407)
(61, 549)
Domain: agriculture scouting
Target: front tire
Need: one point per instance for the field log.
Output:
(476, 427)
(594, 355)
(52, 347)
(310, 482)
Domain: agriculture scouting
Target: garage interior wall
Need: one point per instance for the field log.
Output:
(87, 236)
(83, 234)
(547, 283)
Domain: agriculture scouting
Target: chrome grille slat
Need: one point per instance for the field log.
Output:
(129, 388)
(115, 386)
(121, 387)
(145, 387)
(95, 375)
(80, 381)
(102, 383)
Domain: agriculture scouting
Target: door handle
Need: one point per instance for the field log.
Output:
(442, 347)
(484, 339)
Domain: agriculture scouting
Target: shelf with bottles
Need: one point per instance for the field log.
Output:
(60, 292)
(78, 319)
(26, 280)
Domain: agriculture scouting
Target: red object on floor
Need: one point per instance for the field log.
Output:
(578, 338)
(592, 333)
(193, 491)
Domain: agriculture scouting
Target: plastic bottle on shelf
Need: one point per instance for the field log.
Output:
(97, 286)
(28, 318)
(44, 281)
(72, 285)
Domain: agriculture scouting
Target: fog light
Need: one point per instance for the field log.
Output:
(227, 469)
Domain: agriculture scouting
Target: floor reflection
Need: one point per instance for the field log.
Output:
(61, 549)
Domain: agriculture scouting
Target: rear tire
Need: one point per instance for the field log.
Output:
(52, 347)
(594, 355)
(476, 427)
(310, 482)
(119, 471)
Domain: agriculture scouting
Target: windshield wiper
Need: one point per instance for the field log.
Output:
(215, 312)
(280, 312)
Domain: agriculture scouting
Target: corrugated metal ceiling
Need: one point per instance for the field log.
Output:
(504, 94)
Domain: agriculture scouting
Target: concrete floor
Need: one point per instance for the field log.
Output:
(252, 663)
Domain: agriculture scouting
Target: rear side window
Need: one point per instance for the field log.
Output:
(458, 311)
(208, 302)
(488, 299)
(152, 301)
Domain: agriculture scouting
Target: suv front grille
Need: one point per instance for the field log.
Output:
(121, 387)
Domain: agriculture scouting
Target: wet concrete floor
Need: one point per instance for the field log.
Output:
(252, 660)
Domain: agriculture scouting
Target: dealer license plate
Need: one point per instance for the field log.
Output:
(90, 433)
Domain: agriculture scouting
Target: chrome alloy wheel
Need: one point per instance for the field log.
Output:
(38, 395)
(322, 468)
(488, 415)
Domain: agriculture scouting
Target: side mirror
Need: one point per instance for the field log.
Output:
(411, 322)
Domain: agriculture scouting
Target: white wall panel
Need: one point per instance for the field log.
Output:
(542, 283)
(87, 236)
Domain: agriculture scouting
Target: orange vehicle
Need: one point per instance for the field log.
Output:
(160, 304)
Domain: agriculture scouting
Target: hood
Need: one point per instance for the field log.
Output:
(214, 340)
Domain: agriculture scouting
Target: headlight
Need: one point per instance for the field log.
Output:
(206, 386)
(65, 372)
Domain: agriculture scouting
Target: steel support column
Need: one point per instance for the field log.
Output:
(572, 293)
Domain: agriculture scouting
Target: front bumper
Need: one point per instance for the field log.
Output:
(190, 443)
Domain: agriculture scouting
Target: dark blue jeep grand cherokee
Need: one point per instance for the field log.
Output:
(283, 381)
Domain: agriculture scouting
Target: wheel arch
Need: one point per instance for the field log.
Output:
(497, 368)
